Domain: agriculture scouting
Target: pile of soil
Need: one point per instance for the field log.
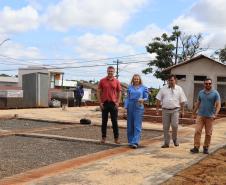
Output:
(211, 170)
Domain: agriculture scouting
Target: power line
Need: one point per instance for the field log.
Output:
(74, 59)
(86, 66)
(26, 61)
(4, 41)
(57, 66)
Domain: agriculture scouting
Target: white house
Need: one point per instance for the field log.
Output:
(191, 74)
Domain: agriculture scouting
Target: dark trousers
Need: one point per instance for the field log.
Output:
(109, 107)
(78, 101)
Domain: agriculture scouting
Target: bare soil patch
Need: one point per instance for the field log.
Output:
(211, 171)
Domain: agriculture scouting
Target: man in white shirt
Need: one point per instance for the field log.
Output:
(172, 98)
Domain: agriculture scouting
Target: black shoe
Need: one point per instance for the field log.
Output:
(205, 150)
(175, 143)
(165, 146)
(194, 150)
(134, 146)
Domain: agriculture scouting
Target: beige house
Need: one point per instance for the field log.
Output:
(191, 74)
(55, 75)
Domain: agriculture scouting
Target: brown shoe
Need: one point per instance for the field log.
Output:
(165, 146)
(117, 141)
(103, 140)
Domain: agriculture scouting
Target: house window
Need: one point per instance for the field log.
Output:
(221, 79)
(199, 78)
(52, 80)
(181, 77)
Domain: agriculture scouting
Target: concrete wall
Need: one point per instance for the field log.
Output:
(201, 67)
(22, 72)
(8, 83)
(54, 76)
(222, 91)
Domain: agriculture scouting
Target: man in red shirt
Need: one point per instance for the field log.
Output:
(109, 96)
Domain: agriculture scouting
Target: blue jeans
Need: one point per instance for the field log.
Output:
(135, 113)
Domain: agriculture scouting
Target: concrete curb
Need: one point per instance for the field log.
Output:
(75, 123)
(66, 138)
(14, 132)
(48, 121)
(9, 116)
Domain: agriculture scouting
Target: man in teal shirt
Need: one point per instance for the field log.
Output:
(208, 107)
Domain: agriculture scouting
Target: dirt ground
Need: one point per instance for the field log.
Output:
(150, 116)
(210, 171)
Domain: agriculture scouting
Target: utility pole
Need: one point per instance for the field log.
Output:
(176, 33)
(117, 67)
(176, 50)
(117, 64)
(4, 41)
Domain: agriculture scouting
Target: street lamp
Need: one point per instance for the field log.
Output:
(4, 41)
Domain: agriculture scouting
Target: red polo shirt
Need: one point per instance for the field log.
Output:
(109, 89)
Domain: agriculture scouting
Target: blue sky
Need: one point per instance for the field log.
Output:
(70, 33)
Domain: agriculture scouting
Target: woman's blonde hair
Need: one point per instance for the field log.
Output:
(136, 75)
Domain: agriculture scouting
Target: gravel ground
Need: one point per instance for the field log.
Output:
(17, 124)
(94, 132)
(19, 154)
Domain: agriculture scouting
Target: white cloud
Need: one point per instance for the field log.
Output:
(207, 17)
(143, 37)
(204, 15)
(109, 15)
(189, 24)
(14, 53)
(99, 46)
(13, 21)
(215, 39)
(210, 12)
(36, 4)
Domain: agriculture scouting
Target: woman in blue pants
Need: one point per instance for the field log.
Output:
(134, 104)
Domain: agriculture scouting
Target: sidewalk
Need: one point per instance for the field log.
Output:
(147, 165)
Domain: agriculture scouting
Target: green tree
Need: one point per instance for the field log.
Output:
(163, 48)
(4, 75)
(190, 46)
(168, 49)
(222, 54)
(152, 96)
